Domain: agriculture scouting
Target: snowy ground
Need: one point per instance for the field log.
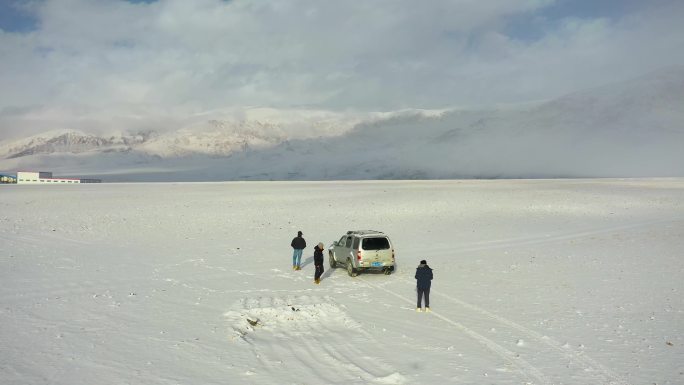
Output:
(536, 282)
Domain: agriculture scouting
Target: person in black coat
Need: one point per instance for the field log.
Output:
(298, 245)
(318, 262)
(423, 283)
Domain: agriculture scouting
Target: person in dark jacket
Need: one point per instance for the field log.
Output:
(318, 262)
(298, 244)
(423, 283)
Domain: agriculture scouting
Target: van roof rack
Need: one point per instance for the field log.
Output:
(362, 232)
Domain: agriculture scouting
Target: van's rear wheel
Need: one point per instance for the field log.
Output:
(333, 262)
(350, 269)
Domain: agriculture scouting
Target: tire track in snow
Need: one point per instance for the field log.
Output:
(589, 364)
(36, 238)
(525, 369)
(535, 240)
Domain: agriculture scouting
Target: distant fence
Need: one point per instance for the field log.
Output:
(11, 179)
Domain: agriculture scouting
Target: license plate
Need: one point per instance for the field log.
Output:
(376, 264)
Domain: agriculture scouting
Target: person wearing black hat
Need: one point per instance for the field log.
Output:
(298, 244)
(318, 262)
(423, 282)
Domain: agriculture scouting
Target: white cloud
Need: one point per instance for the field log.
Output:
(105, 59)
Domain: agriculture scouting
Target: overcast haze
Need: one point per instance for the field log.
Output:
(108, 64)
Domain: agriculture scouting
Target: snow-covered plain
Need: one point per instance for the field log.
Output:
(536, 282)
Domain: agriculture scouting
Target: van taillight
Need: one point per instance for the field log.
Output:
(393, 255)
(358, 255)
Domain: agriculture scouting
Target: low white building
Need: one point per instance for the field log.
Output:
(42, 177)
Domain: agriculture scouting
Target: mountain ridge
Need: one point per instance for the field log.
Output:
(632, 128)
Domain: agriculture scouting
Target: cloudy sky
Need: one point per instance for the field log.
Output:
(95, 62)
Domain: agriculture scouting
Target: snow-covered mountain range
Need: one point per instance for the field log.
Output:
(634, 128)
(257, 128)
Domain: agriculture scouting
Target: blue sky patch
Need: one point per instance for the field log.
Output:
(534, 26)
(14, 17)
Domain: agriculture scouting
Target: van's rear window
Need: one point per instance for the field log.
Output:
(375, 244)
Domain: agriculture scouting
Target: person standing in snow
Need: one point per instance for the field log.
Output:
(298, 244)
(318, 262)
(423, 282)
